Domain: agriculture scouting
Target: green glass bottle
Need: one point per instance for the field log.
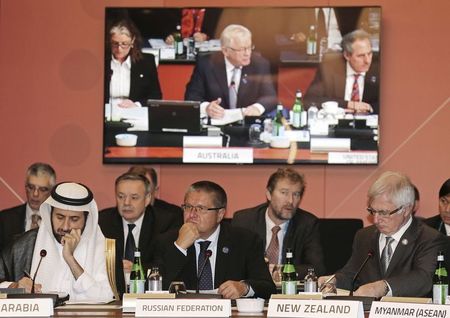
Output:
(277, 123)
(137, 278)
(297, 109)
(440, 281)
(289, 275)
(178, 42)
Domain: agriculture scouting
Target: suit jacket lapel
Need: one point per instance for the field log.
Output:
(222, 257)
(404, 247)
(261, 224)
(220, 73)
(146, 231)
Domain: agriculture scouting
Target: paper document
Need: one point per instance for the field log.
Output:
(231, 116)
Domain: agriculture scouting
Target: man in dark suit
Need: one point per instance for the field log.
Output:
(351, 78)
(159, 204)
(296, 228)
(40, 179)
(133, 225)
(401, 250)
(234, 78)
(441, 222)
(235, 265)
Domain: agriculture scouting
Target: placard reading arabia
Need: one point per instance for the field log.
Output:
(315, 308)
(405, 310)
(26, 307)
(218, 155)
(183, 308)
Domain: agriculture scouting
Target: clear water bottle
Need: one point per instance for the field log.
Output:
(155, 280)
(311, 281)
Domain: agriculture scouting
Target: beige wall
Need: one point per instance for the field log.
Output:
(51, 96)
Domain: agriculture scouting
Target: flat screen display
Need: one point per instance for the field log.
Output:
(275, 85)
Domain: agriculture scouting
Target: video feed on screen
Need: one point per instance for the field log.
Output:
(209, 85)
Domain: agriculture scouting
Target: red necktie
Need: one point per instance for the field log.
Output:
(355, 89)
(273, 249)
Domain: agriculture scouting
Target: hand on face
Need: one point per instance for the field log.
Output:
(70, 242)
(187, 235)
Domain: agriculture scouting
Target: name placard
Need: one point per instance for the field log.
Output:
(183, 308)
(404, 310)
(353, 157)
(218, 155)
(26, 307)
(315, 308)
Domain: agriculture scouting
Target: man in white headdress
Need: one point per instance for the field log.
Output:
(74, 246)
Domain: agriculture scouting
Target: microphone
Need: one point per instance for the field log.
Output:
(208, 254)
(369, 255)
(42, 253)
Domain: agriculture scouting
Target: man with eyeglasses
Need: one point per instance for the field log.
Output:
(281, 224)
(133, 223)
(400, 250)
(40, 179)
(233, 78)
(209, 255)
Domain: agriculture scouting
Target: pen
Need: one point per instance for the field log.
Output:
(327, 281)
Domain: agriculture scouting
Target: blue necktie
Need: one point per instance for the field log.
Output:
(205, 281)
(130, 245)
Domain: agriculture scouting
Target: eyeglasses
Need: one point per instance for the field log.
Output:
(123, 45)
(31, 188)
(199, 209)
(383, 213)
(242, 49)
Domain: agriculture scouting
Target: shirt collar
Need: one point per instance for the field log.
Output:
(270, 224)
(398, 235)
(228, 66)
(351, 72)
(213, 238)
(127, 62)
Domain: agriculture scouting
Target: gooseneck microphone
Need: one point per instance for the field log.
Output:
(208, 254)
(369, 255)
(42, 253)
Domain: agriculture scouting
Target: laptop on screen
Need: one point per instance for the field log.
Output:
(174, 116)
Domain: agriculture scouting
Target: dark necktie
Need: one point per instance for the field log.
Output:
(130, 245)
(355, 89)
(232, 90)
(386, 254)
(205, 281)
(273, 250)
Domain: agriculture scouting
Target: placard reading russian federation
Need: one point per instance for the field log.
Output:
(315, 308)
(183, 308)
(26, 307)
(405, 310)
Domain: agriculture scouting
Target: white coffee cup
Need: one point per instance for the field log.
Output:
(330, 107)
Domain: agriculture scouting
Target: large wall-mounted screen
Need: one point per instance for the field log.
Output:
(298, 85)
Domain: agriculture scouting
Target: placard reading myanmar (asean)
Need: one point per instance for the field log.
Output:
(405, 310)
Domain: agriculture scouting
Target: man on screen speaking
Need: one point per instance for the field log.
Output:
(351, 78)
(234, 78)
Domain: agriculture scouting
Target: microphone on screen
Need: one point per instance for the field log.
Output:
(42, 253)
(208, 254)
(369, 255)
